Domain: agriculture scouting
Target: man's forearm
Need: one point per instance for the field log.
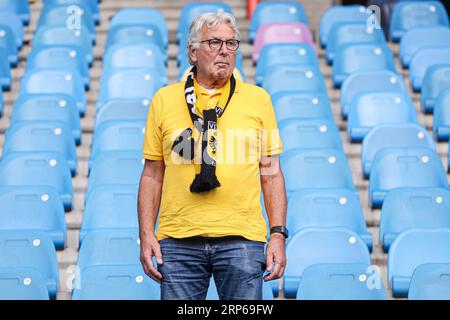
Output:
(274, 198)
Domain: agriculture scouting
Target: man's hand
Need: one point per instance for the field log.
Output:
(150, 248)
(275, 257)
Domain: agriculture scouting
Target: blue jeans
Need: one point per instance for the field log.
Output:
(237, 265)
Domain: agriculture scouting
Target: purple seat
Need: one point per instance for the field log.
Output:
(290, 32)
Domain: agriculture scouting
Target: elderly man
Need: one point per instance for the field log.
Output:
(211, 144)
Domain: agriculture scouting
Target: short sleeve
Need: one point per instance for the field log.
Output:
(152, 148)
(271, 141)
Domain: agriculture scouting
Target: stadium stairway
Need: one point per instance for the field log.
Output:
(170, 10)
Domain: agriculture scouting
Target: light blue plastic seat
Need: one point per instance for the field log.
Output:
(284, 54)
(109, 247)
(34, 208)
(49, 81)
(368, 81)
(430, 281)
(212, 293)
(115, 168)
(441, 118)
(410, 14)
(407, 135)
(336, 14)
(135, 56)
(292, 78)
(50, 57)
(309, 134)
(116, 135)
(8, 43)
(316, 169)
(48, 107)
(352, 33)
(79, 40)
(422, 60)
(327, 208)
(38, 169)
(368, 110)
(341, 281)
(19, 7)
(149, 16)
(400, 167)
(410, 208)
(428, 246)
(293, 105)
(122, 109)
(314, 246)
(93, 5)
(13, 21)
(137, 34)
(42, 136)
(31, 249)
(351, 58)
(5, 72)
(422, 37)
(124, 282)
(110, 207)
(20, 283)
(1, 104)
(274, 12)
(436, 80)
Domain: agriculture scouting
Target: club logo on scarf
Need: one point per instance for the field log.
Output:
(211, 136)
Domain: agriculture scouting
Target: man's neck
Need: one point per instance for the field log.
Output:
(210, 84)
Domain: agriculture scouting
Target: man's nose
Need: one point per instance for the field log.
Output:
(224, 50)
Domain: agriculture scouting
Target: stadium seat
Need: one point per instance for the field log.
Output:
(137, 34)
(368, 81)
(38, 169)
(109, 248)
(48, 107)
(316, 169)
(50, 81)
(294, 105)
(350, 58)
(314, 246)
(436, 80)
(368, 110)
(18, 283)
(424, 59)
(1, 103)
(407, 135)
(91, 4)
(276, 12)
(352, 33)
(299, 54)
(212, 293)
(80, 40)
(441, 118)
(116, 167)
(418, 38)
(410, 14)
(30, 249)
(291, 78)
(399, 167)
(129, 84)
(428, 246)
(341, 281)
(19, 7)
(110, 207)
(410, 208)
(9, 44)
(142, 16)
(34, 208)
(5, 71)
(124, 282)
(50, 57)
(13, 21)
(122, 109)
(309, 134)
(42, 136)
(288, 32)
(327, 208)
(116, 135)
(430, 282)
(336, 14)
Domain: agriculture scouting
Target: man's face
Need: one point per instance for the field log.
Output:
(214, 64)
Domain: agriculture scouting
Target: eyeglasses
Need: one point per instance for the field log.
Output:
(216, 44)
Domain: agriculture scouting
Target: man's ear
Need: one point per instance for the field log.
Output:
(192, 53)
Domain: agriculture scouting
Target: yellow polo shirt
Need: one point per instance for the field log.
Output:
(246, 130)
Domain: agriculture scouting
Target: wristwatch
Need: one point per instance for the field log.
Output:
(280, 229)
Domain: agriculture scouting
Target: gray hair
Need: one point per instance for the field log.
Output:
(210, 19)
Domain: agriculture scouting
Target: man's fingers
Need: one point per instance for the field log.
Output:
(277, 267)
(158, 255)
(150, 269)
